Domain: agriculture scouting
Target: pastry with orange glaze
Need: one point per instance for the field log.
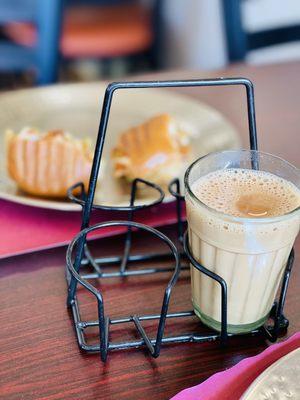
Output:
(156, 151)
(47, 163)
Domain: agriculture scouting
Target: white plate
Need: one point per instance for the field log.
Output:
(77, 107)
(278, 382)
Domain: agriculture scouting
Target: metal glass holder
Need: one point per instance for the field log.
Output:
(78, 253)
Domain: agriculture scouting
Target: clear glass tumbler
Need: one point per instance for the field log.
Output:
(249, 253)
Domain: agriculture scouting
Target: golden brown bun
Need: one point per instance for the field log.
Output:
(47, 164)
(154, 150)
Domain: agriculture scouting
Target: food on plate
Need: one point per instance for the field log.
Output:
(156, 150)
(47, 163)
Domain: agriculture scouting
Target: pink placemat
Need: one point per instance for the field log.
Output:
(232, 383)
(25, 229)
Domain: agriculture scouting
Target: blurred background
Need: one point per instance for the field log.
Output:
(48, 41)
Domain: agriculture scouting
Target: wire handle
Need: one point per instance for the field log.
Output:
(87, 205)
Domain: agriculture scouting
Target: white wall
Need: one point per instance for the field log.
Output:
(194, 34)
(266, 14)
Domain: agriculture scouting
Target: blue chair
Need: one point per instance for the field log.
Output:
(42, 19)
(43, 58)
(239, 42)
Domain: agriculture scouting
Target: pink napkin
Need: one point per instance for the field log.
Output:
(25, 229)
(232, 383)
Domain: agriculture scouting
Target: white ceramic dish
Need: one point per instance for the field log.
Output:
(76, 108)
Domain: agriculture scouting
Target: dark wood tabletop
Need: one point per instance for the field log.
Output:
(40, 358)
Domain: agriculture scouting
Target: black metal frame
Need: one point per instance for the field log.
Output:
(78, 253)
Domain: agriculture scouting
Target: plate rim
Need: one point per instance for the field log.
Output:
(267, 372)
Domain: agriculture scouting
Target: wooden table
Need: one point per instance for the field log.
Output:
(39, 354)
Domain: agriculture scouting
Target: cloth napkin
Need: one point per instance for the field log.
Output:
(232, 383)
(25, 229)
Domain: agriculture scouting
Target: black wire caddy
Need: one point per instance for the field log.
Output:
(78, 253)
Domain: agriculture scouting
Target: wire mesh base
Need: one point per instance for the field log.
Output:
(154, 343)
(266, 332)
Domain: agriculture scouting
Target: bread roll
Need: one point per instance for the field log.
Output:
(155, 150)
(47, 164)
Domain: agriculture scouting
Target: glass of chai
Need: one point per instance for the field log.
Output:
(242, 224)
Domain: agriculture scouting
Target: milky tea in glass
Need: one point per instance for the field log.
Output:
(242, 224)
